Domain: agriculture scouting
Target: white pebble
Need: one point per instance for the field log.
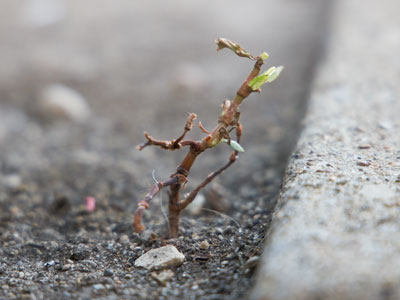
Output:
(61, 102)
(160, 258)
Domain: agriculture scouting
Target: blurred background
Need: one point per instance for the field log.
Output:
(143, 65)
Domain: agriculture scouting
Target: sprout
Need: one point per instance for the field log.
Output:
(268, 76)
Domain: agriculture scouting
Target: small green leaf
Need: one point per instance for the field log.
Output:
(274, 73)
(269, 71)
(264, 56)
(258, 82)
(268, 76)
(235, 145)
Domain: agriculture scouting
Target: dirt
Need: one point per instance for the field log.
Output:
(51, 246)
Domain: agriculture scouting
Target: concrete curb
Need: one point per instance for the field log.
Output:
(335, 232)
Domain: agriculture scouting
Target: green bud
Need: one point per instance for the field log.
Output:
(235, 145)
(264, 56)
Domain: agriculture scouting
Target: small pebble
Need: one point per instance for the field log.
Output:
(204, 245)
(202, 257)
(99, 287)
(124, 238)
(66, 267)
(363, 163)
(89, 263)
(49, 264)
(53, 244)
(148, 235)
(61, 102)
(231, 256)
(160, 258)
(162, 277)
(251, 262)
(108, 272)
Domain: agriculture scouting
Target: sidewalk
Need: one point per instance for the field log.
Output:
(336, 229)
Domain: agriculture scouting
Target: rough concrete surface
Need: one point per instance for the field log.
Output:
(335, 232)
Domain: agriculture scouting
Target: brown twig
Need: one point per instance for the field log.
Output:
(188, 126)
(169, 145)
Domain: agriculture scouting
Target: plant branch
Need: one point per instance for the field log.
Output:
(234, 155)
(227, 121)
(169, 145)
(144, 204)
(189, 199)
